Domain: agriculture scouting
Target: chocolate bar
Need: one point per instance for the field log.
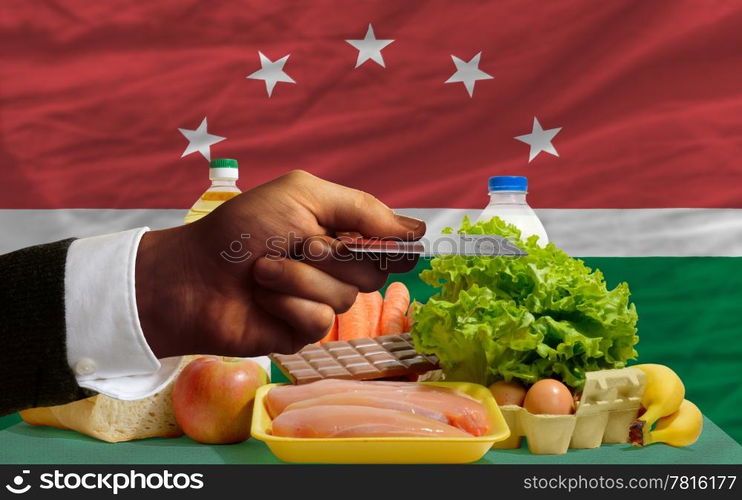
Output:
(388, 356)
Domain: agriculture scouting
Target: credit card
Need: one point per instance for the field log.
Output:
(483, 245)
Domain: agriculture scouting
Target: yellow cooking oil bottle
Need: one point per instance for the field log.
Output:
(223, 173)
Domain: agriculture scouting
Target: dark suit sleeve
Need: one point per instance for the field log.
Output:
(33, 358)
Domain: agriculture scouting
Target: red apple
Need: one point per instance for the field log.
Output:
(213, 398)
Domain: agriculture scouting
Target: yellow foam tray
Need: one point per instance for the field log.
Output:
(384, 450)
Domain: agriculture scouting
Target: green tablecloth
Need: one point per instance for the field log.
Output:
(24, 444)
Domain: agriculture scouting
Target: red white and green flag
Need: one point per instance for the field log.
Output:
(625, 116)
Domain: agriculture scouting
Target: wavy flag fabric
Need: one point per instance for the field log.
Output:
(626, 116)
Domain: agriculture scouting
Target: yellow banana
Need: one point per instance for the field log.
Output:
(663, 394)
(682, 428)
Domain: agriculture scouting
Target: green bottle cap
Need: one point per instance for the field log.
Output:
(223, 163)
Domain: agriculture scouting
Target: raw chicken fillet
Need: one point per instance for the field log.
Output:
(434, 404)
(358, 421)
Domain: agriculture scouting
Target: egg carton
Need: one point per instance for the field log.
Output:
(610, 402)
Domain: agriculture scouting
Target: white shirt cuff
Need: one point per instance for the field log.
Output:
(106, 347)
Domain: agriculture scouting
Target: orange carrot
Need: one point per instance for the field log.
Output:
(362, 319)
(396, 302)
(409, 317)
(351, 323)
(375, 303)
(332, 334)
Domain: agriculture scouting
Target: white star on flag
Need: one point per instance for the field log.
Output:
(370, 48)
(272, 72)
(200, 140)
(540, 140)
(468, 73)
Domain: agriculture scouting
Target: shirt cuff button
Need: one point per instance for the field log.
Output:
(85, 366)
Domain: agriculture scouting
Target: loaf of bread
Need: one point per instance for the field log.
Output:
(113, 420)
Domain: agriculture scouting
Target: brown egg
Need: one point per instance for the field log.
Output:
(508, 393)
(549, 397)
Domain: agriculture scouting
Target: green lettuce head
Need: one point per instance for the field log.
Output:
(545, 315)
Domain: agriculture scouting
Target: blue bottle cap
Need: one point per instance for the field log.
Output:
(508, 183)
